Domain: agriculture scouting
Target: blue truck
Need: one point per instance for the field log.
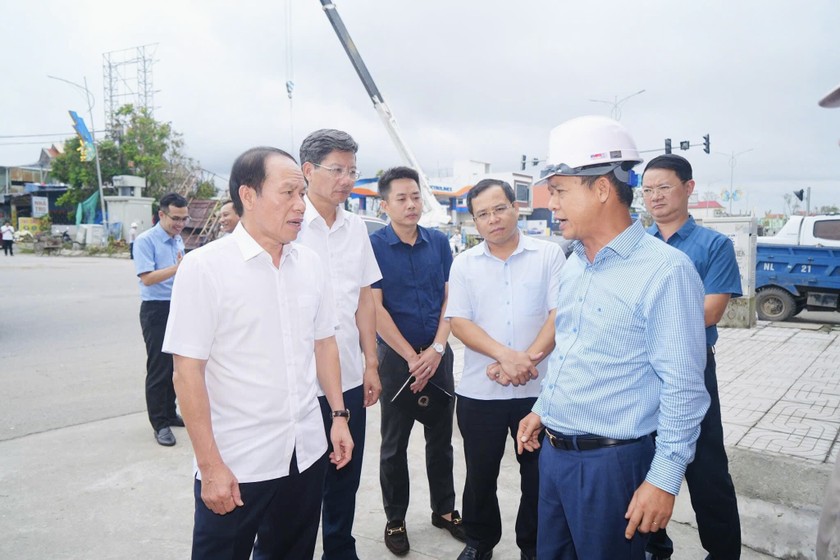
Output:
(799, 268)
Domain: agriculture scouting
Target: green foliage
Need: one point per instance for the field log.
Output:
(45, 223)
(205, 190)
(140, 146)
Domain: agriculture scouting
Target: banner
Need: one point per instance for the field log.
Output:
(87, 150)
(40, 206)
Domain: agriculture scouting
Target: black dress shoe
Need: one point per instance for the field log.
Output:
(178, 422)
(396, 537)
(455, 526)
(165, 437)
(470, 553)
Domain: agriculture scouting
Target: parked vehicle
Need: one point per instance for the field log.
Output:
(799, 268)
(372, 224)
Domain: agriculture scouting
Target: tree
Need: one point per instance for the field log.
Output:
(830, 209)
(140, 146)
(205, 190)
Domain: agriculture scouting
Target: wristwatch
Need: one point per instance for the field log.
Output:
(341, 414)
(438, 347)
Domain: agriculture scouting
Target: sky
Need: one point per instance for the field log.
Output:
(466, 79)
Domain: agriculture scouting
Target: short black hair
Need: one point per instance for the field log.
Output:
(172, 199)
(249, 169)
(318, 145)
(226, 202)
(672, 162)
(485, 184)
(393, 174)
(622, 189)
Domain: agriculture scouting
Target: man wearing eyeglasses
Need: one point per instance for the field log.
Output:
(328, 162)
(157, 253)
(410, 301)
(502, 295)
(667, 186)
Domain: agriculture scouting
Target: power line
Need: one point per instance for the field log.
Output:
(28, 143)
(51, 134)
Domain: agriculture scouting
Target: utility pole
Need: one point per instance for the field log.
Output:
(615, 104)
(90, 100)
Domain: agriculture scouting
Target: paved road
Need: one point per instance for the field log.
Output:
(81, 476)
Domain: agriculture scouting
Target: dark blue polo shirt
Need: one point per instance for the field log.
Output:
(713, 255)
(413, 280)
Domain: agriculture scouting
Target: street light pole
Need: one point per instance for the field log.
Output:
(733, 160)
(615, 104)
(90, 100)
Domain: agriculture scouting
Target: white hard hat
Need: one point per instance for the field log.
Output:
(590, 146)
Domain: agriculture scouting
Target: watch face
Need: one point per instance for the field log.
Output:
(438, 347)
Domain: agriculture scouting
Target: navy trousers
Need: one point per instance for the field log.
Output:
(710, 486)
(160, 393)
(583, 498)
(485, 426)
(340, 486)
(282, 514)
(396, 428)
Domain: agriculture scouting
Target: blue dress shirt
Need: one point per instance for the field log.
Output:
(413, 280)
(154, 249)
(713, 255)
(630, 351)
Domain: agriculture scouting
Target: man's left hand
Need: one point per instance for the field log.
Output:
(649, 510)
(371, 385)
(342, 443)
(424, 368)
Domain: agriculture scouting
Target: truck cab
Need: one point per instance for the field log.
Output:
(812, 231)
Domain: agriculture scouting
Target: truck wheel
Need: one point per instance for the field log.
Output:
(774, 304)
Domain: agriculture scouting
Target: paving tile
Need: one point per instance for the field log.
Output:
(734, 392)
(745, 411)
(732, 433)
(769, 441)
(799, 425)
(819, 386)
(824, 405)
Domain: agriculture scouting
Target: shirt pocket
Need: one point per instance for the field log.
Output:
(532, 299)
(305, 309)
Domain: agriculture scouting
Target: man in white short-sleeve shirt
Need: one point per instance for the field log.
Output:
(328, 163)
(501, 304)
(249, 313)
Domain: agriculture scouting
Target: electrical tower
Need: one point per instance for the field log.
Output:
(127, 78)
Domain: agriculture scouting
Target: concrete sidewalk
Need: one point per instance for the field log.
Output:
(81, 476)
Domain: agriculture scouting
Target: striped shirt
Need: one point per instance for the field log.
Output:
(630, 351)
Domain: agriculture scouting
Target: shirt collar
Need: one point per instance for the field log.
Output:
(249, 248)
(622, 244)
(161, 234)
(311, 215)
(526, 243)
(392, 238)
(683, 232)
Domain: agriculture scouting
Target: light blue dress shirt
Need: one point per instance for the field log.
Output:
(630, 351)
(510, 300)
(154, 249)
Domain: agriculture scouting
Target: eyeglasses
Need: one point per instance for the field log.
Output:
(178, 219)
(339, 172)
(499, 210)
(664, 190)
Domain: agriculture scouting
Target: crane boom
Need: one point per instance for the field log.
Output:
(433, 212)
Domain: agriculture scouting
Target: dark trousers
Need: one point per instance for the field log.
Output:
(396, 429)
(340, 486)
(710, 486)
(131, 250)
(160, 394)
(281, 513)
(7, 247)
(583, 498)
(485, 425)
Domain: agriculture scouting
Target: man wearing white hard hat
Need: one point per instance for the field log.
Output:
(628, 360)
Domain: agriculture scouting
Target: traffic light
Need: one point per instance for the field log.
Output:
(524, 161)
(800, 194)
(667, 145)
(685, 144)
(707, 144)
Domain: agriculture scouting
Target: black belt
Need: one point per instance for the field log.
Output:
(584, 443)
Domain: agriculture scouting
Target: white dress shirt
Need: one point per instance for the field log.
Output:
(510, 300)
(347, 255)
(256, 326)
